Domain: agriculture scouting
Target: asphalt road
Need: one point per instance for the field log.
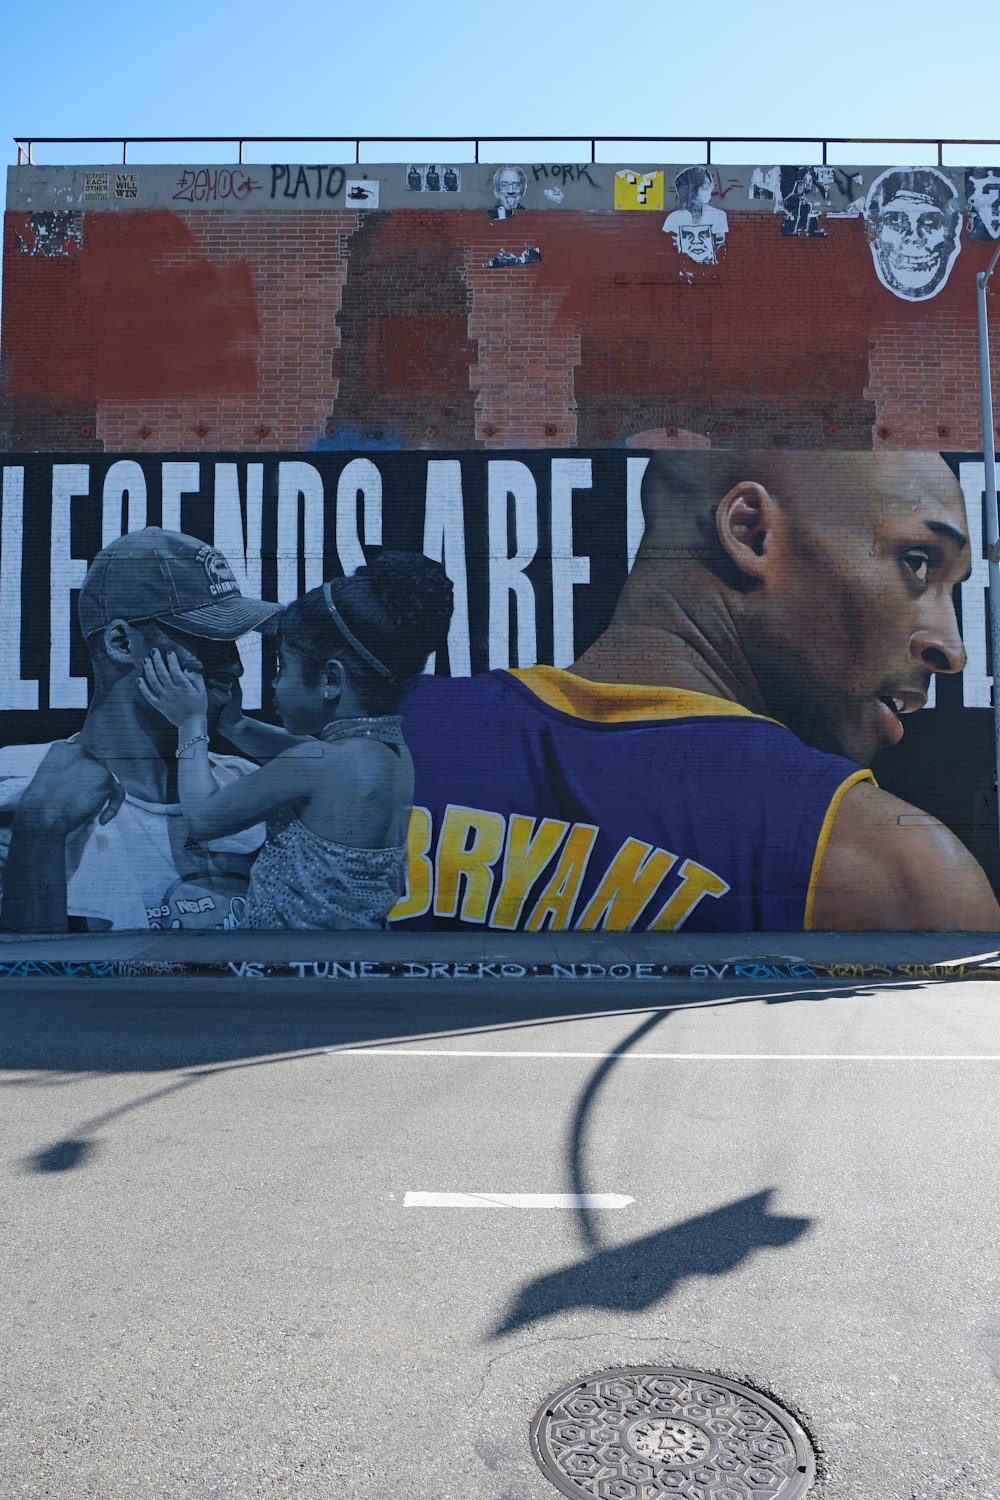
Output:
(211, 1285)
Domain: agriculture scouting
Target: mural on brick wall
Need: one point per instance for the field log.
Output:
(698, 228)
(914, 222)
(359, 566)
(982, 186)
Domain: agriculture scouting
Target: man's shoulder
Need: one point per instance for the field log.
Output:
(23, 760)
(230, 767)
(887, 864)
(429, 692)
(18, 764)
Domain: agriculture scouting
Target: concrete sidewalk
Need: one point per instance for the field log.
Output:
(491, 955)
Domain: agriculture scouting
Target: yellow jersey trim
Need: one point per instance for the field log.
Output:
(824, 835)
(622, 703)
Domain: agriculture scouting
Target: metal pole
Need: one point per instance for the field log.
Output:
(992, 517)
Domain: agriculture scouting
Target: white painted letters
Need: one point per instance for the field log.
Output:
(510, 480)
(66, 573)
(14, 691)
(444, 541)
(568, 474)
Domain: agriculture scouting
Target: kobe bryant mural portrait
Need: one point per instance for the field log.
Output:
(704, 763)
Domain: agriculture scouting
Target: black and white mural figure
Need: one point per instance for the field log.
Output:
(531, 255)
(982, 189)
(336, 786)
(804, 201)
(92, 833)
(133, 822)
(914, 222)
(433, 179)
(765, 184)
(699, 229)
(510, 185)
(801, 194)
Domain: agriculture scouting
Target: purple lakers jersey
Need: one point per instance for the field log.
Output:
(544, 801)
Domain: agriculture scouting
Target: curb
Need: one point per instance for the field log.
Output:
(354, 970)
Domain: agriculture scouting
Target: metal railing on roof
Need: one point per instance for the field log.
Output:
(26, 144)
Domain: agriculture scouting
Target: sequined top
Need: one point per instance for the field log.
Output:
(303, 881)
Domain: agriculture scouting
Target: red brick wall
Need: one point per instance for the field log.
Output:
(207, 331)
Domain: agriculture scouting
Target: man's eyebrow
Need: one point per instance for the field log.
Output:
(952, 533)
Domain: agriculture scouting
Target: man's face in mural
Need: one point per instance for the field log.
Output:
(914, 244)
(217, 661)
(856, 612)
(510, 186)
(985, 200)
(696, 241)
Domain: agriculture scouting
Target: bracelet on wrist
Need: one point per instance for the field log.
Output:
(195, 739)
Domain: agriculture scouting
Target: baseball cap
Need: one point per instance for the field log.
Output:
(164, 575)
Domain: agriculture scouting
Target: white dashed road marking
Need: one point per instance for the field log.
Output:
(516, 1200)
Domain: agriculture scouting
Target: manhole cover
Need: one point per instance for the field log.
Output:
(643, 1434)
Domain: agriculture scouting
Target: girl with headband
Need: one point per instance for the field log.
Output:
(337, 786)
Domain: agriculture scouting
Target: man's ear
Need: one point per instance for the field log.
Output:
(744, 520)
(334, 678)
(123, 643)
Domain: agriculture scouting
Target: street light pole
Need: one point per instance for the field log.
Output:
(992, 517)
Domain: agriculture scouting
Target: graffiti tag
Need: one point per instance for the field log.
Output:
(326, 182)
(214, 185)
(732, 183)
(565, 172)
(48, 968)
(247, 970)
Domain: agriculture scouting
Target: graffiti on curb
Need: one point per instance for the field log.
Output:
(419, 969)
(48, 968)
(790, 969)
(101, 968)
(739, 971)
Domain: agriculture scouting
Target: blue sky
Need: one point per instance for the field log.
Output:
(520, 66)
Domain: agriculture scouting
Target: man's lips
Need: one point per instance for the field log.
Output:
(892, 705)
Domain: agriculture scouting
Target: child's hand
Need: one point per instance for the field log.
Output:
(232, 710)
(178, 695)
